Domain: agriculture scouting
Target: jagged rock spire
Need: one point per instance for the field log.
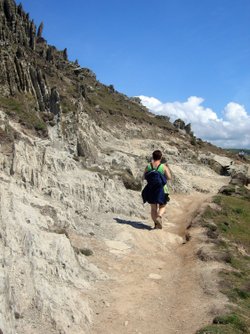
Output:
(9, 9)
(40, 30)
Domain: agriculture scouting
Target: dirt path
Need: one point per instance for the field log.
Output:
(156, 284)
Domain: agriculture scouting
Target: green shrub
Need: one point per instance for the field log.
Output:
(193, 141)
(217, 199)
(238, 210)
(232, 319)
(22, 108)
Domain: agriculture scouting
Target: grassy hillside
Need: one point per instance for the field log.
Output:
(237, 150)
(231, 228)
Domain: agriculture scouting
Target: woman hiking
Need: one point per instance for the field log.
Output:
(156, 191)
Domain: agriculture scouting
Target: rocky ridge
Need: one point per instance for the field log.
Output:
(72, 155)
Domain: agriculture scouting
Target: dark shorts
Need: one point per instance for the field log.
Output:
(167, 198)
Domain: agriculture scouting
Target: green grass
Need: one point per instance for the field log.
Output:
(232, 221)
(66, 105)
(237, 150)
(226, 324)
(117, 107)
(217, 199)
(22, 108)
(218, 330)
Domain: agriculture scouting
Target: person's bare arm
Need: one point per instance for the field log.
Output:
(167, 172)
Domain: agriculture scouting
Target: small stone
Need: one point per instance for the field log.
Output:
(86, 251)
(154, 276)
(17, 315)
(126, 323)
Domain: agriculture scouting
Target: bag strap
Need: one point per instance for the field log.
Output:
(153, 167)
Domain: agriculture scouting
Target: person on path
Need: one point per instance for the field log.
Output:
(156, 191)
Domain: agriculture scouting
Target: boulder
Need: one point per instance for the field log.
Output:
(179, 124)
(221, 165)
(240, 179)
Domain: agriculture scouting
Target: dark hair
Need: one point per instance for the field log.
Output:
(157, 155)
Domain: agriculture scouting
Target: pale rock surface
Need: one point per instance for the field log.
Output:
(71, 214)
(55, 208)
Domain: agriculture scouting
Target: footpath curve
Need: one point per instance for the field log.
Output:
(157, 284)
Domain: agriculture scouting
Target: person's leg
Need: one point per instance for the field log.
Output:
(161, 210)
(153, 212)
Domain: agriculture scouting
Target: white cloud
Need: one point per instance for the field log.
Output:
(235, 112)
(232, 130)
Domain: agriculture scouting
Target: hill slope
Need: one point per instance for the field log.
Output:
(71, 161)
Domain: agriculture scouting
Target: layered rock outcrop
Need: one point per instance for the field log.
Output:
(72, 157)
(52, 196)
(23, 57)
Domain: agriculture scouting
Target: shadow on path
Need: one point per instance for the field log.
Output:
(134, 224)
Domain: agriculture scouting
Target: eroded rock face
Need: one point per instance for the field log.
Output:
(45, 197)
(58, 192)
(20, 73)
(240, 179)
(180, 125)
(222, 164)
(50, 197)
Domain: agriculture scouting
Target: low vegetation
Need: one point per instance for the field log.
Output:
(116, 107)
(237, 150)
(22, 108)
(231, 221)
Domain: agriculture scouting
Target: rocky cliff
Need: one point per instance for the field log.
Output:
(72, 156)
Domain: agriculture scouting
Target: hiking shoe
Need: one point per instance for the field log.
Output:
(158, 223)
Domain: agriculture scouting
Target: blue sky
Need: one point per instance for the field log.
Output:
(169, 50)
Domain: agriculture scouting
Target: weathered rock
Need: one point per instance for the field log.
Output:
(49, 54)
(221, 165)
(59, 192)
(208, 253)
(65, 54)
(188, 129)
(9, 9)
(32, 35)
(35, 79)
(179, 124)
(235, 190)
(240, 179)
(40, 30)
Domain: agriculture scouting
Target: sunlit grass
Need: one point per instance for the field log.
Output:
(232, 220)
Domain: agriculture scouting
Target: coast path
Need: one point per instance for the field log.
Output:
(156, 282)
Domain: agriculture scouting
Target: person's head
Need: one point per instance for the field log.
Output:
(157, 155)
